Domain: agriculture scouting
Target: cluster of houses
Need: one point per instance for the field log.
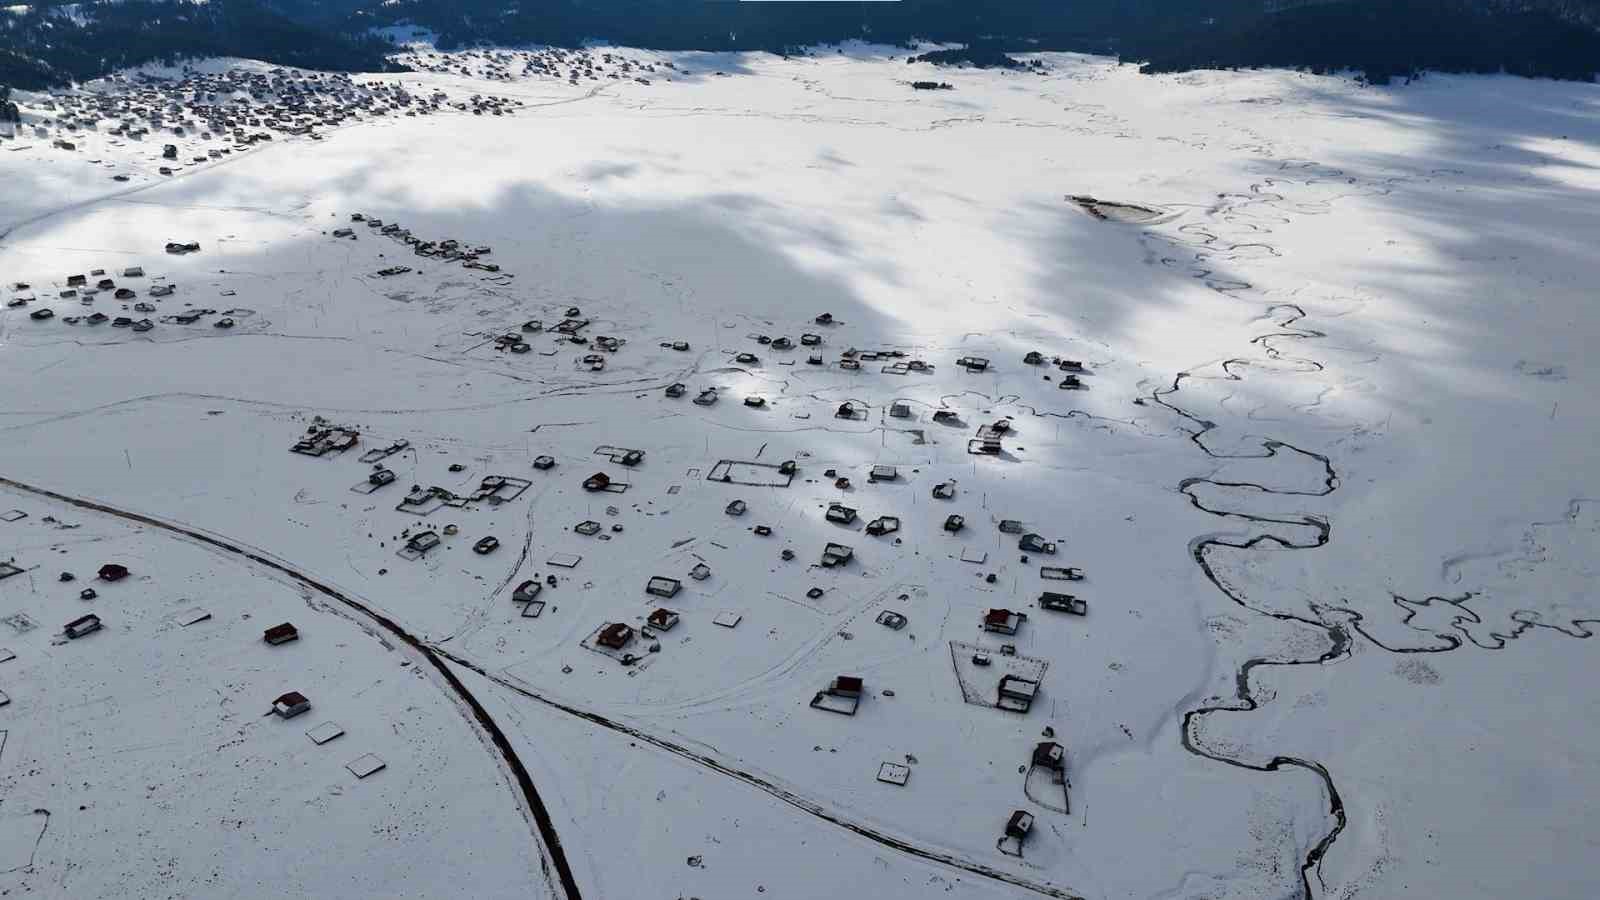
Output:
(572, 65)
(1005, 680)
(451, 249)
(219, 113)
(85, 289)
(123, 287)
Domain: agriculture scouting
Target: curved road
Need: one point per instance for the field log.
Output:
(440, 659)
(551, 849)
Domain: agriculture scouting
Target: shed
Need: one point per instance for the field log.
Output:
(291, 704)
(81, 626)
(1033, 543)
(842, 695)
(662, 586)
(846, 686)
(834, 555)
(883, 473)
(1016, 693)
(1019, 825)
(281, 634)
(662, 619)
(1066, 603)
(527, 591)
(423, 542)
(113, 572)
(544, 462)
(985, 443)
(838, 512)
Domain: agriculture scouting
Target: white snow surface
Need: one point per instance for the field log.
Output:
(1372, 491)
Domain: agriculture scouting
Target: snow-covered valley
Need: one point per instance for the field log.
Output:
(1325, 471)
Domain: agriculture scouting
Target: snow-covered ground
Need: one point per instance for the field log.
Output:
(1328, 479)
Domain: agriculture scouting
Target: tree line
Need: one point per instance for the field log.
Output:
(1384, 38)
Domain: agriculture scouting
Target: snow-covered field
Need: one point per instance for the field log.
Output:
(1328, 479)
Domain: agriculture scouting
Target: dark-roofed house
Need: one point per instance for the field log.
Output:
(1034, 543)
(842, 695)
(113, 572)
(1003, 621)
(615, 635)
(846, 686)
(291, 704)
(1019, 825)
(1050, 755)
(281, 634)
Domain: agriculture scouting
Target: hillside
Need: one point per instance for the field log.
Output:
(1390, 38)
(53, 43)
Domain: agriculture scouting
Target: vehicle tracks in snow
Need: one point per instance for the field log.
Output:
(440, 659)
(550, 853)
